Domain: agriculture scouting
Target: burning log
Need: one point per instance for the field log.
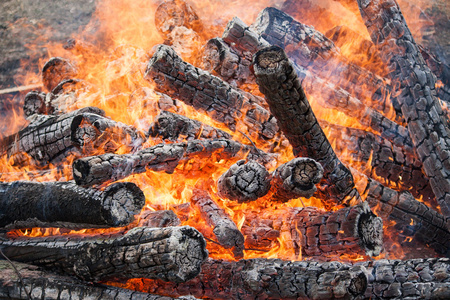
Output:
(60, 202)
(225, 229)
(158, 218)
(174, 127)
(269, 279)
(378, 158)
(88, 171)
(170, 254)
(414, 278)
(312, 50)
(34, 103)
(278, 81)
(47, 139)
(55, 71)
(247, 41)
(296, 178)
(317, 233)
(413, 219)
(244, 182)
(37, 284)
(427, 124)
(211, 95)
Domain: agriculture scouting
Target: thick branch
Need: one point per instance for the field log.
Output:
(278, 81)
(171, 254)
(427, 124)
(225, 229)
(66, 202)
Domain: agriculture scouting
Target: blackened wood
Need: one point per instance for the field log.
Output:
(408, 279)
(244, 181)
(236, 109)
(46, 139)
(376, 157)
(92, 170)
(414, 219)
(93, 133)
(312, 50)
(158, 218)
(67, 202)
(225, 230)
(34, 103)
(56, 70)
(427, 124)
(296, 178)
(50, 286)
(171, 254)
(269, 279)
(174, 127)
(279, 83)
(315, 233)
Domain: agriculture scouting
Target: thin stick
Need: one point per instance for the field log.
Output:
(21, 88)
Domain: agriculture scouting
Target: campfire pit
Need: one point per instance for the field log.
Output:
(171, 153)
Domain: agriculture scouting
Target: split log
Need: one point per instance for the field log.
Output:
(212, 96)
(413, 219)
(296, 178)
(56, 70)
(409, 279)
(66, 202)
(267, 279)
(38, 284)
(312, 50)
(315, 233)
(175, 128)
(244, 182)
(47, 139)
(378, 158)
(99, 169)
(170, 254)
(427, 124)
(279, 83)
(225, 229)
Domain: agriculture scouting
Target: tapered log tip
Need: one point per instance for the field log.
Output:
(268, 58)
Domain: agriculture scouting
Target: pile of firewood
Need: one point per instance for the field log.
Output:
(396, 161)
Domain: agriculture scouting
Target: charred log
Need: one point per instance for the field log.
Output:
(34, 103)
(296, 178)
(46, 139)
(159, 218)
(174, 127)
(269, 279)
(414, 278)
(211, 95)
(278, 81)
(88, 171)
(427, 124)
(225, 229)
(244, 181)
(316, 233)
(56, 70)
(66, 202)
(39, 284)
(170, 254)
(65, 95)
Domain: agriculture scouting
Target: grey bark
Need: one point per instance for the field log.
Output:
(170, 254)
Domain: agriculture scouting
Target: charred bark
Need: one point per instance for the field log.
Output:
(99, 169)
(408, 279)
(278, 81)
(316, 233)
(66, 202)
(175, 128)
(170, 254)
(427, 124)
(34, 103)
(46, 139)
(244, 182)
(296, 178)
(56, 70)
(269, 279)
(225, 229)
(211, 95)
(40, 284)
(158, 218)
(413, 219)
